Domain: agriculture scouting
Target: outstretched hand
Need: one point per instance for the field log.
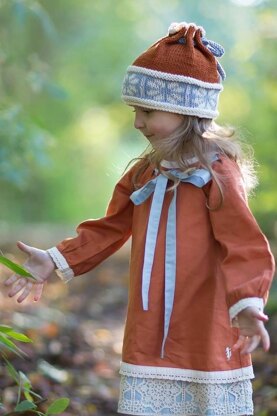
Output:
(40, 265)
(252, 330)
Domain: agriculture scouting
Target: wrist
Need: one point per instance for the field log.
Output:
(63, 270)
(50, 260)
(242, 304)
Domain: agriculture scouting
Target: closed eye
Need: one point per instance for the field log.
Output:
(144, 110)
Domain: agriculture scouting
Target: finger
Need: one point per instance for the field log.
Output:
(26, 292)
(12, 279)
(251, 344)
(38, 292)
(24, 247)
(261, 316)
(240, 343)
(265, 339)
(17, 287)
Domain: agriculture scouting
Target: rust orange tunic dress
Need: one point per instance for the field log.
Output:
(223, 264)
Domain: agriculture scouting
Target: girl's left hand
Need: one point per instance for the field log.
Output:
(252, 330)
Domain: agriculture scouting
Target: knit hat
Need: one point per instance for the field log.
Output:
(179, 73)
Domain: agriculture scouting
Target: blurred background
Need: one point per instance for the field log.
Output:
(65, 139)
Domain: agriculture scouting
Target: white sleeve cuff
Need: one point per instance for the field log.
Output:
(242, 304)
(64, 272)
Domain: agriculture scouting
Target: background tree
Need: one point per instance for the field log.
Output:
(62, 124)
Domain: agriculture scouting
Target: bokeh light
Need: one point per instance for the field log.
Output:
(247, 2)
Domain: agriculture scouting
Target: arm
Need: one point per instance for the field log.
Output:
(247, 264)
(96, 240)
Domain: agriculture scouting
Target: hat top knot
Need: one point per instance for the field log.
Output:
(176, 27)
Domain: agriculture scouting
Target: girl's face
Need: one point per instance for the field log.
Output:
(155, 124)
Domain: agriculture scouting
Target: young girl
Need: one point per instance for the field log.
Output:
(200, 266)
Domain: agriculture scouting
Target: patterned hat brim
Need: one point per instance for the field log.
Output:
(168, 92)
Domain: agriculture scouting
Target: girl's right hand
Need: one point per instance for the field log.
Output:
(40, 265)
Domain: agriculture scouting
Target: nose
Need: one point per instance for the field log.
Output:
(139, 121)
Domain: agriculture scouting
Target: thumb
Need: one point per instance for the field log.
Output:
(24, 247)
(260, 316)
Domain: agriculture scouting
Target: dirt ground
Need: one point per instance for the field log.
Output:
(77, 331)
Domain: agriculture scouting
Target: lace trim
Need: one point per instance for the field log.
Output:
(244, 303)
(149, 397)
(64, 272)
(196, 376)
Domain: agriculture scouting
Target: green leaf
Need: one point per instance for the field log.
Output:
(27, 387)
(7, 342)
(12, 371)
(25, 381)
(27, 395)
(11, 346)
(25, 405)
(13, 334)
(16, 268)
(19, 391)
(58, 406)
(33, 393)
(5, 328)
(19, 337)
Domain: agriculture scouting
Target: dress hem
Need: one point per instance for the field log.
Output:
(180, 414)
(227, 376)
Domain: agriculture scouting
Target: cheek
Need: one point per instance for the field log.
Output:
(158, 128)
(164, 128)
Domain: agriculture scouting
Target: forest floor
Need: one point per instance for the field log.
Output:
(77, 332)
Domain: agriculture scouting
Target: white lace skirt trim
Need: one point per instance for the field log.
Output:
(149, 397)
(196, 376)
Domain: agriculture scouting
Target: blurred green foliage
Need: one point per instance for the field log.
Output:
(65, 136)
(27, 399)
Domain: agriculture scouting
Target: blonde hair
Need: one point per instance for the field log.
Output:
(199, 137)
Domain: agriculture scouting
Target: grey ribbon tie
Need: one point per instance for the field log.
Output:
(218, 51)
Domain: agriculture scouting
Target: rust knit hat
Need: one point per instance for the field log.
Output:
(179, 73)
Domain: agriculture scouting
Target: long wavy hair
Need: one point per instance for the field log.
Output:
(198, 137)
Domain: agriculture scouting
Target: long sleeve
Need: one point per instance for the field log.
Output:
(247, 264)
(97, 239)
